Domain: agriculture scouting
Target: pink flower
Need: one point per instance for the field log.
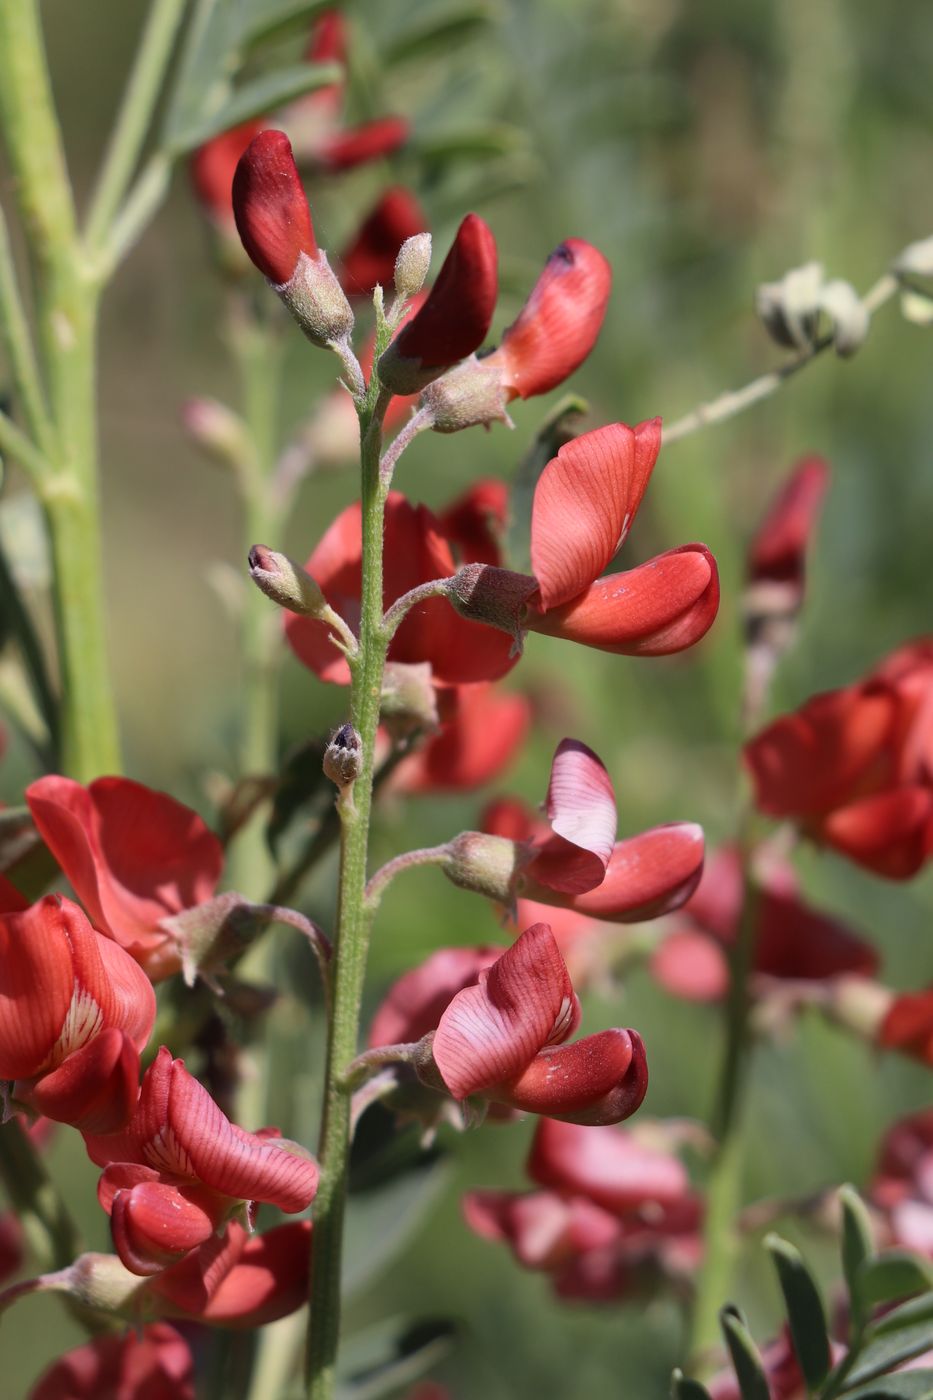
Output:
(153, 1363)
(134, 857)
(181, 1168)
(75, 1013)
(502, 1039)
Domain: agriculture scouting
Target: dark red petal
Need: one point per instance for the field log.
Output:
(908, 1027)
(584, 503)
(799, 943)
(581, 808)
(611, 1168)
(778, 550)
(492, 1030)
(37, 986)
(358, 144)
(890, 833)
(370, 258)
(96, 1088)
(476, 521)
(600, 1079)
(455, 318)
(270, 207)
(647, 876)
(558, 325)
(661, 607)
(213, 166)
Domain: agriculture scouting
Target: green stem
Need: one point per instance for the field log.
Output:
(720, 1237)
(132, 124)
(31, 653)
(53, 1234)
(67, 323)
(353, 922)
(17, 338)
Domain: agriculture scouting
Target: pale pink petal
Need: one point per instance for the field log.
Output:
(606, 1165)
(581, 808)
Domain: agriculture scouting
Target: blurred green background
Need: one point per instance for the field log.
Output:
(703, 148)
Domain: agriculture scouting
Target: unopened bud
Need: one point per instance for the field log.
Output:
(411, 265)
(216, 429)
(790, 308)
(471, 393)
(486, 865)
(285, 582)
(343, 757)
(317, 301)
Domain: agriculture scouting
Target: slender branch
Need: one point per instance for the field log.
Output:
(365, 1066)
(132, 123)
(395, 616)
(16, 444)
(17, 338)
(147, 193)
(427, 855)
(31, 652)
(736, 401)
(419, 421)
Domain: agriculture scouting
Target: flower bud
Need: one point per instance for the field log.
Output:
(484, 864)
(343, 757)
(469, 394)
(216, 429)
(285, 582)
(411, 265)
(455, 317)
(483, 593)
(274, 224)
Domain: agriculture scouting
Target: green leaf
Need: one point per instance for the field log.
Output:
(804, 1310)
(391, 1355)
(746, 1362)
(557, 429)
(264, 19)
(911, 1385)
(475, 143)
(917, 1310)
(894, 1274)
(256, 98)
(682, 1388)
(858, 1244)
(205, 69)
(383, 1220)
(440, 32)
(884, 1353)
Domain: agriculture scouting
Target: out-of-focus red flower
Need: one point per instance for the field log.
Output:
(907, 1025)
(357, 145)
(558, 325)
(575, 861)
(793, 941)
(501, 1039)
(370, 257)
(271, 209)
(153, 1363)
(133, 857)
(416, 1002)
(584, 504)
(213, 166)
(475, 522)
(455, 316)
(416, 551)
(854, 767)
(180, 1169)
(777, 554)
(482, 730)
(76, 1012)
(902, 1187)
(610, 1212)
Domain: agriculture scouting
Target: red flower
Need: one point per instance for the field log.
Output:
(213, 166)
(902, 1187)
(475, 522)
(907, 1026)
(237, 1279)
(181, 1168)
(357, 145)
(854, 767)
(419, 998)
(271, 209)
(455, 316)
(792, 940)
(777, 554)
(576, 862)
(152, 1364)
(370, 258)
(584, 504)
(415, 552)
(501, 1039)
(481, 732)
(559, 323)
(76, 1012)
(133, 856)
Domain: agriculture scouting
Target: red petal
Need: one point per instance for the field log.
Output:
(491, 1031)
(472, 747)
(584, 503)
(269, 1281)
(418, 999)
(359, 144)
(154, 1363)
(558, 325)
(154, 1223)
(647, 875)
(185, 1289)
(37, 986)
(908, 1026)
(890, 833)
(370, 258)
(581, 808)
(133, 999)
(455, 318)
(509, 817)
(798, 943)
(542, 1227)
(96, 1088)
(810, 761)
(600, 1079)
(213, 166)
(476, 522)
(270, 207)
(778, 551)
(611, 1168)
(691, 965)
(661, 607)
